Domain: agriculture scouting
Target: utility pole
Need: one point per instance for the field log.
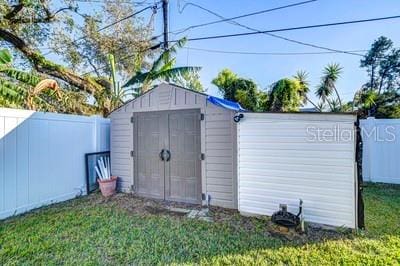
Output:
(165, 18)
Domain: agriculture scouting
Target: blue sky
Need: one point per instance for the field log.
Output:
(264, 69)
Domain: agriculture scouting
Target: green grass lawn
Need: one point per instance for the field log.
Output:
(87, 231)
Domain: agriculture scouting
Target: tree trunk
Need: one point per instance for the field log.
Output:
(44, 66)
(383, 76)
(315, 106)
(338, 96)
(330, 105)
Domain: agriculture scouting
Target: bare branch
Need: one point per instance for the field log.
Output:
(50, 16)
(16, 9)
(92, 65)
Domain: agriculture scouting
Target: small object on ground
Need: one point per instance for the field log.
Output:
(285, 218)
(107, 182)
(206, 219)
(108, 187)
(179, 210)
(192, 214)
(283, 229)
(202, 214)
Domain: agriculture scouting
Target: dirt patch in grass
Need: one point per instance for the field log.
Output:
(135, 205)
(142, 206)
(313, 233)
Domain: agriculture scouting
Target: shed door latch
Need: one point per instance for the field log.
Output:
(132, 154)
(202, 156)
(201, 116)
(132, 119)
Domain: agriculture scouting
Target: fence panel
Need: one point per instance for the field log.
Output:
(381, 150)
(42, 157)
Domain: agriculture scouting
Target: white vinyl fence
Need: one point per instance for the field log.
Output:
(42, 157)
(286, 157)
(381, 150)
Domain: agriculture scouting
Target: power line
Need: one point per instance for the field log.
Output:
(225, 52)
(266, 53)
(115, 2)
(156, 46)
(271, 34)
(153, 7)
(237, 17)
(118, 49)
(289, 29)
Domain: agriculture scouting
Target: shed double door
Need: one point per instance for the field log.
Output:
(167, 157)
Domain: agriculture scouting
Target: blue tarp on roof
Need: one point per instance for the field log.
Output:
(225, 103)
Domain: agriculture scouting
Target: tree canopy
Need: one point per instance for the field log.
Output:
(31, 90)
(189, 80)
(379, 96)
(31, 26)
(163, 68)
(128, 40)
(225, 84)
(244, 91)
(25, 25)
(286, 95)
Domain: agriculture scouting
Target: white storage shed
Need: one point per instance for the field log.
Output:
(172, 143)
(175, 144)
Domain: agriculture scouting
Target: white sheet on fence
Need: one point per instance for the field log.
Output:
(42, 157)
(381, 150)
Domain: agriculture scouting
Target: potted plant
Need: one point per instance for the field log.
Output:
(107, 182)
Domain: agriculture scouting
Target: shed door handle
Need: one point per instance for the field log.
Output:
(169, 155)
(162, 155)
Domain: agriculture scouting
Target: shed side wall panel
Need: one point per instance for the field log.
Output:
(121, 145)
(282, 159)
(220, 156)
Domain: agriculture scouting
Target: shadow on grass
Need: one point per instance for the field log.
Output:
(87, 231)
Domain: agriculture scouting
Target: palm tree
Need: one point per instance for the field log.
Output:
(10, 93)
(365, 99)
(302, 77)
(162, 69)
(327, 86)
(5, 57)
(335, 105)
(113, 95)
(321, 106)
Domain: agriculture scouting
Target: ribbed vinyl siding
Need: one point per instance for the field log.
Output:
(278, 162)
(121, 145)
(166, 97)
(220, 153)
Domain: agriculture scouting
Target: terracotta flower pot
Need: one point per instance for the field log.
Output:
(108, 187)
